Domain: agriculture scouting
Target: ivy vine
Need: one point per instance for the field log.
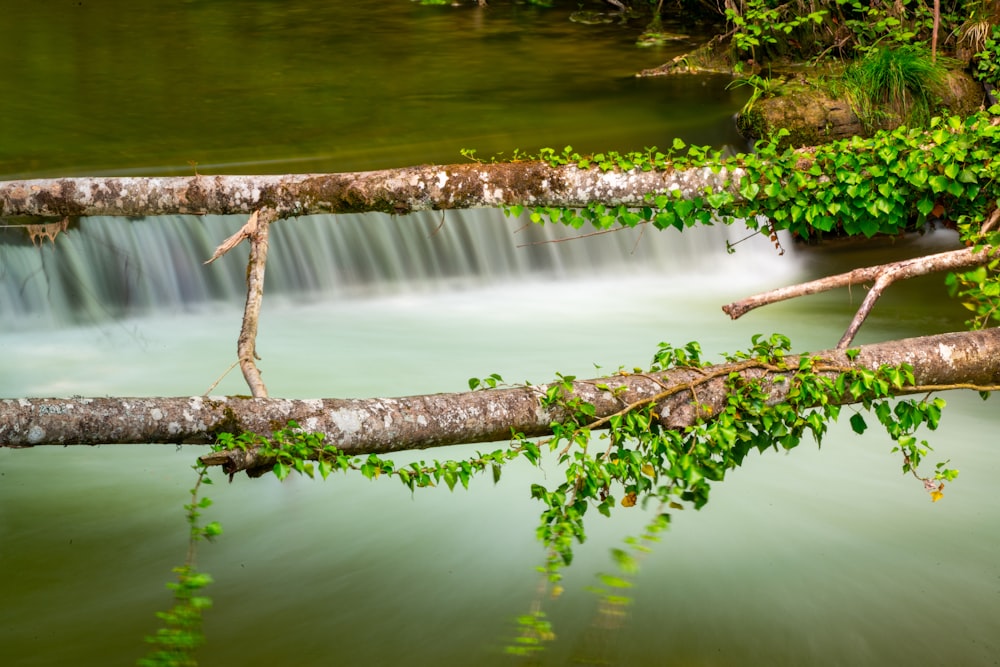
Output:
(897, 181)
(893, 182)
(888, 184)
(630, 458)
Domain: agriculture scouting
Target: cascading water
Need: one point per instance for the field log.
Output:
(104, 268)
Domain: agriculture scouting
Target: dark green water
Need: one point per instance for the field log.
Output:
(251, 87)
(820, 557)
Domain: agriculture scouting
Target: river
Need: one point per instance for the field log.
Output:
(816, 557)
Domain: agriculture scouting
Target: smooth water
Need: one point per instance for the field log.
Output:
(113, 86)
(817, 557)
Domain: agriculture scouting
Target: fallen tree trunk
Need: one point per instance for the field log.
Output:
(395, 191)
(379, 425)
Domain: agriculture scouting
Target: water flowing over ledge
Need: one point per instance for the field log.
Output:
(104, 268)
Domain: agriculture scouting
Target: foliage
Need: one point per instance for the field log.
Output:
(626, 459)
(979, 20)
(762, 31)
(894, 182)
(645, 461)
(887, 184)
(988, 59)
(873, 24)
(899, 79)
(292, 449)
(763, 87)
(979, 289)
(759, 23)
(174, 644)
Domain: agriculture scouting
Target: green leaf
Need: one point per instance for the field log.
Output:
(869, 227)
(939, 183)
(917, 178)
(718, 199)
(967, 176)
(858, 424)
(749, 191)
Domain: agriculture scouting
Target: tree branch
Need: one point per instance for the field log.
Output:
(394, 191)
(883, 275)
(381, 425)
(246, 345)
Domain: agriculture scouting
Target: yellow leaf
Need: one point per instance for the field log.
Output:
(937, 495)
(629, 499)
(648, 470)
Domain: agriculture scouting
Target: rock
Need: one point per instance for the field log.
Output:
(812, 116)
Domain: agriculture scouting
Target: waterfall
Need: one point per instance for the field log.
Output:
(105, 268)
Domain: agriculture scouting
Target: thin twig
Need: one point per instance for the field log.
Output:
(220, 378)
(438, 228)
(599, 232)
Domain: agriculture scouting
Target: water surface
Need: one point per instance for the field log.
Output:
(819, 557)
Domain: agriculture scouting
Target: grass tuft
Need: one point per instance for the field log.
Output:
(896, 81)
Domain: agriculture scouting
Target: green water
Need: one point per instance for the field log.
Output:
(251, 87)
(819, 557)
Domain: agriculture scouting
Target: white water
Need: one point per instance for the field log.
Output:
(106, 268)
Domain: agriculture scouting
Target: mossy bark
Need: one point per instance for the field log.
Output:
(399, 191)
(383, 425)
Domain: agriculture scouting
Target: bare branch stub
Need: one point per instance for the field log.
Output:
(244, 232)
